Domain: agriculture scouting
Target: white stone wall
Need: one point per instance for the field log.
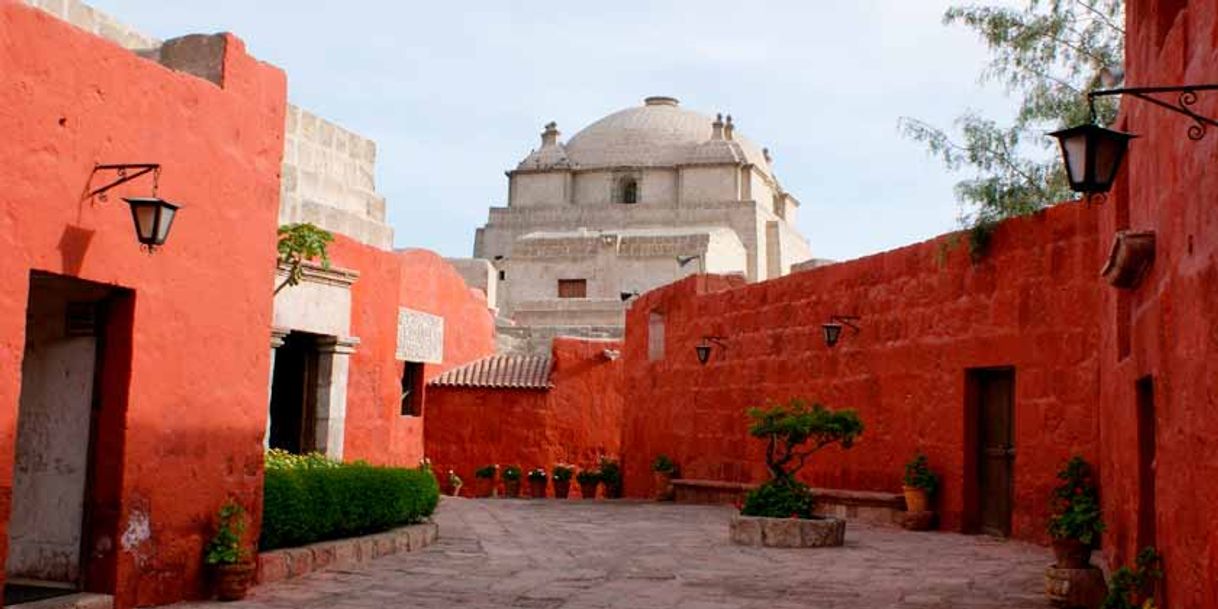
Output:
(540, 189)
(479, 274)
(716, 183)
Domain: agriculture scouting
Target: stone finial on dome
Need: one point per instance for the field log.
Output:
(549, 137)
(660, 100)
(728, 128)
(717, 127)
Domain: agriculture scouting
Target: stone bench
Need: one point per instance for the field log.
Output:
(865, 506)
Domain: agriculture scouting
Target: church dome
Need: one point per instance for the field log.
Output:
(657, 134)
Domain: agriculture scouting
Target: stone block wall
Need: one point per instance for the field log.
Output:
(96, 22)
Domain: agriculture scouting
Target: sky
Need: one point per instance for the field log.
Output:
(456, 93)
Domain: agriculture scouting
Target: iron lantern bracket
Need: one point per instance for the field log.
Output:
(125, 172)
(1184, 102)
(846, 320)
(720, 341)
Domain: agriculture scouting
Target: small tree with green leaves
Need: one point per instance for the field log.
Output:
(299, 244)
(1076, 504)
(793, 432)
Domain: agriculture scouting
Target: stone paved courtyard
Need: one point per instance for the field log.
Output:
(574, 554)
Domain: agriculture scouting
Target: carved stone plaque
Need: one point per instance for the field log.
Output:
(420, 337)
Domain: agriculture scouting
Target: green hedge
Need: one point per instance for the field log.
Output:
(304, 505)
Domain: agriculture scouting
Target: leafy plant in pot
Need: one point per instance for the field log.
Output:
(920, 484)
(588, 480)
(1076, 523)
(537, 483)
(484, 480)
(663, 471)
(793, 432)
(229, 560)
(562, 474)
(611, 477)
(511, 481)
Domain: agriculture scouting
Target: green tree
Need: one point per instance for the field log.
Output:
(1049, 54)
(298, 244)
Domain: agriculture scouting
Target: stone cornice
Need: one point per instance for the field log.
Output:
(316, 273)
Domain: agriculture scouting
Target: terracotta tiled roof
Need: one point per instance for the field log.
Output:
(500, 371)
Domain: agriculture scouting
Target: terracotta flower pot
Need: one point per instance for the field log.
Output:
(537, 489)
(233, 581)
(562, 489)
(587, 490)
(915, 499)
(663, 484)
(511, 488)
(1071, 554)
(613, 491)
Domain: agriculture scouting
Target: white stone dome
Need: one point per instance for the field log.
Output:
(657, 134)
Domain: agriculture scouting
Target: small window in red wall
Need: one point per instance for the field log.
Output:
(412, 389)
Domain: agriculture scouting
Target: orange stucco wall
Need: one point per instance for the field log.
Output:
(928, 315)
(376, 431)
(181, 424)
(575, 422)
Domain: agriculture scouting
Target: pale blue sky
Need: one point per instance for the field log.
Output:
(455, 93)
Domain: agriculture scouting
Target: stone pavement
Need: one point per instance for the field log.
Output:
(576, 554)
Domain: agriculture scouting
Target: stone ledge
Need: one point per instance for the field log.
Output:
(289, 563)
(866, 506)
(787, 532)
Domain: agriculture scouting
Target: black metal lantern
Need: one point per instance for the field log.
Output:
(833, 327)
(1092, 155)
(153, 218)
(703, 349)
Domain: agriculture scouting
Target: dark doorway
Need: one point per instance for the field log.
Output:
(991, 406)
(294, 394)
(412, 389)
(1146, 462)
(56, 465)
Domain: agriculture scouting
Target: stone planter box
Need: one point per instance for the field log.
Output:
(787, 532)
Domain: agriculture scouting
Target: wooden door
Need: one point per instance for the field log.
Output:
(995, 391)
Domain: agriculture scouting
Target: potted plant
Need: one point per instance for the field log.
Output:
(920, 484)
(561, 475)
(663, 471)
(588, 480)
(511, 481)
(229, 561)
(484, 478)
(537, 483)
(1135, 588)
(611, 477)
(454, 484)
(780, 511)
(1076, 523)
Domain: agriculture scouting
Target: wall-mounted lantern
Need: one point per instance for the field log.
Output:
(152, 216)
(833, 328)
(703, 349)
(1093, 154)
(628, 295)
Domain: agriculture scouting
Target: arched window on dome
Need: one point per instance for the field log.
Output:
(628, 191)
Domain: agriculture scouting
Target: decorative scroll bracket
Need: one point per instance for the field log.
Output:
(1184, 102)
(125, 172)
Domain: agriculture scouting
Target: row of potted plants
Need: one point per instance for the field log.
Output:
(607, 474)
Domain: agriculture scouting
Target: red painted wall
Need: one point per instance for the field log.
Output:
(577, 421)
(928, 314)
(376, 431)
(182, 418)
(1169, 186)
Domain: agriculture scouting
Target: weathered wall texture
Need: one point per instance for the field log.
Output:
(575, 422)
(376, 431)
(178, 431)
(928, 315)
(1169, 324)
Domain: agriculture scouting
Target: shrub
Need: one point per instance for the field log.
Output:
(664, 465)
(538, 474)
(277, 458)
(225, 546)
(1076, 504)
(562, 472)
(611, 472)
(918, 475)
(779, 499)
(486, 472)
(511, 472)
(1135, 588)
(307, 504)
(588, 476)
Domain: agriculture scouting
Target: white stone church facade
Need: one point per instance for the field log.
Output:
(634, 201)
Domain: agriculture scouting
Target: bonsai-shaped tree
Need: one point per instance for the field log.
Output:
(1076, 504)
(298, 244)
(793, 432)
(225, 546)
